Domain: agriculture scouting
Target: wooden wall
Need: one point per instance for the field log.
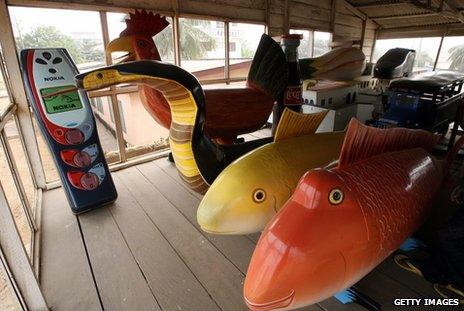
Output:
(334, 16)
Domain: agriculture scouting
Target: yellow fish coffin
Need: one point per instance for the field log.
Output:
(250, 191)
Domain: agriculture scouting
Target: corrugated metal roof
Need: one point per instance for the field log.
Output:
(403, 13)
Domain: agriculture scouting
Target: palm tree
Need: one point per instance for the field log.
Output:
(456, 57)
(194, 42)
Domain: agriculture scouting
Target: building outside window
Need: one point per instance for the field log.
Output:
(314, 43)
(243, 41)
(202, 48)
(321, 43)
(305, 50)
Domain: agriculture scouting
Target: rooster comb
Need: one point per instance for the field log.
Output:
(144, 23)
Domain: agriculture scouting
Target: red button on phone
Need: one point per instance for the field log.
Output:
(74, 137)
(82, 159)
(58, 132)
(89, 181)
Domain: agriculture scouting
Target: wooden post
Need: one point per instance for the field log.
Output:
(226, 55)
(17, 259)
(333, 12)
(113, 96)
(363, 34)
(439, 48)
(373, 45)
(18, 95)
(286, 25)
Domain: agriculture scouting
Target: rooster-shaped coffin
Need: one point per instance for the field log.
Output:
(228, 112)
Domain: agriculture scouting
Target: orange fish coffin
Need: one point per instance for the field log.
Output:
(341, 223)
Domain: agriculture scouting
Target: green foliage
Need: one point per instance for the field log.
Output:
(456, 57)
(82, 51)
(246, 51)
(194, 42)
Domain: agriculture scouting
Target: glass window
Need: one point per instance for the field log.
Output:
(452, 54)
(53, 28)
(243, 41)
(142, 133)
(15, 203)
(20, 158)
(426, 50)
(321, 43)
(105, 127)
(202, 47)
(164, 40)
(305, 49)
(4, 99)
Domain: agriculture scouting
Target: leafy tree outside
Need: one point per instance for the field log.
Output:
(456, 57)
(81, 50)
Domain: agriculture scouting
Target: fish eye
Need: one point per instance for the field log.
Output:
(259, 195)
(99, 75)
(335, 196)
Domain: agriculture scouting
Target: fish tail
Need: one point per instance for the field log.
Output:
(453, 152)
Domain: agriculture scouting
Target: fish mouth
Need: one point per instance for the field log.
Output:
(279, 303)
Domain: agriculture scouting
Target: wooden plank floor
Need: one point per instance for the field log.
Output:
(146, 252)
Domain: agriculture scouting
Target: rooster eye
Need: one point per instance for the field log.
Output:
(259, 195)
(141, 43)
(335, 196)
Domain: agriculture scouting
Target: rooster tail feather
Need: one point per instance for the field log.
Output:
(268, 71)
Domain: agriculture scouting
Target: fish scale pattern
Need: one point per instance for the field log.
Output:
(394, 191)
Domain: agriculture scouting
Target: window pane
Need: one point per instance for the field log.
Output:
(452, 54)
(14, 202)
(77, 31)
(141, 132)
(19, 156)
(243, 41)
(8, 300)
(426, 50)
(51, 174)
(4, 99)
(304, 50)
(321, 43)
(104, 118)
(163, 40)
(202, 48)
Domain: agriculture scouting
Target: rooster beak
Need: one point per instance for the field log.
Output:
(122, 44)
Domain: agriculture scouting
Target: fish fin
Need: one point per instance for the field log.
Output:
(412, 244)
(354, 295)
(294, 124)
(362, 141)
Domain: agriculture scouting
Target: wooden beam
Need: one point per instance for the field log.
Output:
(333, 13)
(363, 34)
(286, 25)
(379, 4)
(389, 17)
